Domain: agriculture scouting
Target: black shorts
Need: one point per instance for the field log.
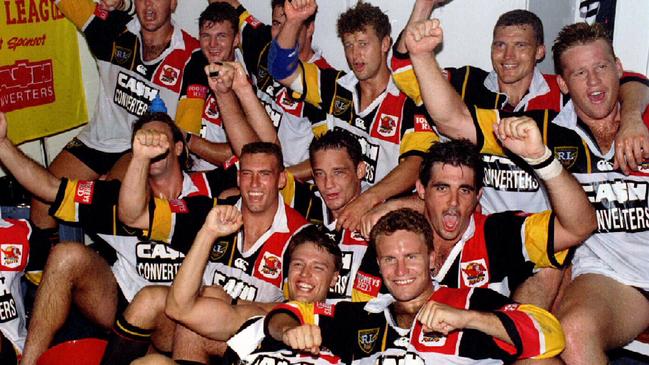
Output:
(100, 162)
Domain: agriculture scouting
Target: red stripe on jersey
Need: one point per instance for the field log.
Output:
(169, 74)
(474, 262)
(527, 331)
(553, 99)
(200, 181)
(388, 119)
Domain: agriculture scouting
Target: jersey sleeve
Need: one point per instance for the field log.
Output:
(535, 332)
(255, 40)
(484, 120)
(99, 26)
(93, 204)
(417, 133)
(177, 222)
(303, 198)
(517, 238)
(404, 75)
(193, 92)
(318, 85)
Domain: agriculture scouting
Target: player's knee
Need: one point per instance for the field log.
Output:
(150, 299)
(581, 330)
(69, 256)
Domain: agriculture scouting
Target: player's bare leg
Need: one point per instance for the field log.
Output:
(73, 274)
(598, 314)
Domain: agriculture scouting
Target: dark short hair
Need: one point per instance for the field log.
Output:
(337, 140)
(217, 13)
(358, 18)
(459, 152)
(276, 3)
(404, 219)
(320, 237)
(520, 17)
(578, 34)
(178, 135)
(264, 147)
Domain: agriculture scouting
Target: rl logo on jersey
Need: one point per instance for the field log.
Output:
(567, 155)
(474, 273)
(367, 339)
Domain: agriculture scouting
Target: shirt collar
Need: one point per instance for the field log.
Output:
(538, 87)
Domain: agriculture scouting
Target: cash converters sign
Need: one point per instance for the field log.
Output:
(40, 71)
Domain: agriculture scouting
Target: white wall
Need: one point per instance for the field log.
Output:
(467, 24)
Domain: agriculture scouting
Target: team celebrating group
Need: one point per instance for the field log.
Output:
(262, 207)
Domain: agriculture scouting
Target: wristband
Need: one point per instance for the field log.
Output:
(282, 62)
(546, 166)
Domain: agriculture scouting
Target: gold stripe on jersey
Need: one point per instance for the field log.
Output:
(77, 11)
(189, 114)
(385, 337)
(549, 328)
(242, 20)
(537, 237)
(68, 209)
(485, 120)
(497, 95)
(319, 129)
(545, 127)
(419, 141)
(589, 166)
(34, 277)
(307, 310)
(288, 191)
(359, 296)
(311, 81)
(162, 221)
(406, 81)
(466, 81)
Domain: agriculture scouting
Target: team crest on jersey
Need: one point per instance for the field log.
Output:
(567, 155)
(84, 193)
(11, 255)
(286, 101)
(367, 339)
(218, 250)
(387, 125)
(341, 105)
(212, 109)
(169, 75)
(270, 266)
(432, 339)
(121, 55)
(474, 273)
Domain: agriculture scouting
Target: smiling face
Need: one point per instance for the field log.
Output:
(260, 179)
(218, 41)
(338, 180)
(450, 198)
(591, 75)
(366, 54)
(154, 14)
(405, 265)
(514, 54)
(311, 272)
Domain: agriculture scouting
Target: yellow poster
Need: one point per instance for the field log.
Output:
(40, 71)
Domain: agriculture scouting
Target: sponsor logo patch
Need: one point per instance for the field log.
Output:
(324, 309)
(85, 192)
(197, 91)
(421, 124)
(367, 339)
(178, 206)
(254, 22)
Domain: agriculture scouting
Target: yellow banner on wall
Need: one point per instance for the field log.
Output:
(40, 71)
